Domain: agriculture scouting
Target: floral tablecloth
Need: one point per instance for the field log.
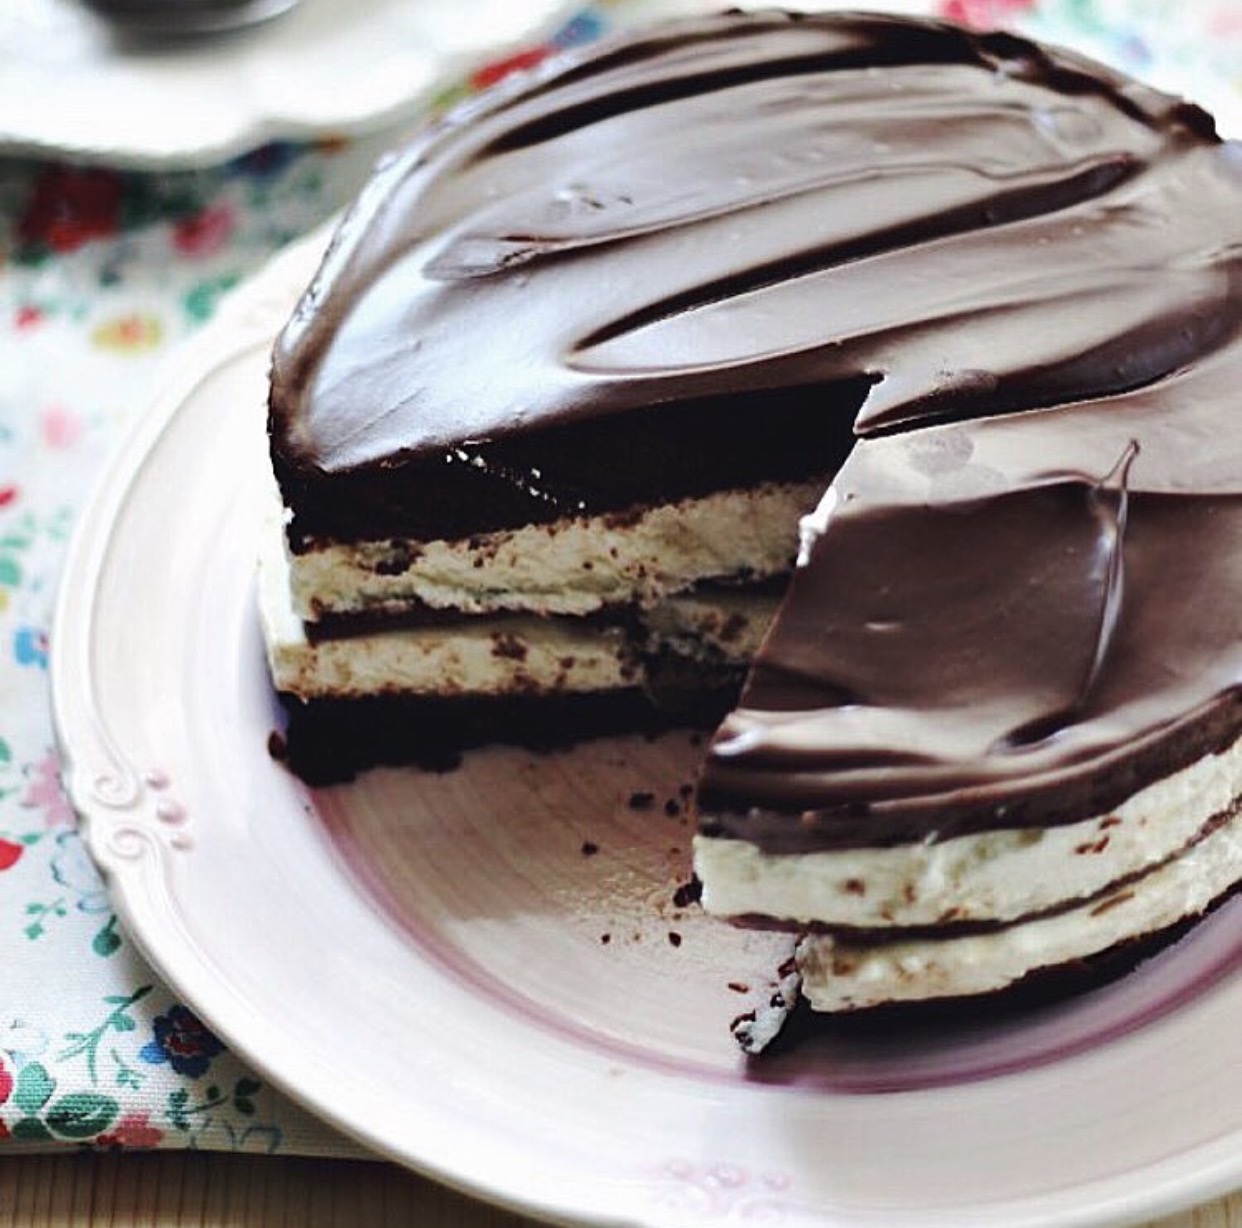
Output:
(102, 273)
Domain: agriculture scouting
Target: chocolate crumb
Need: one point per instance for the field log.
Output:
(674, 938)
(397, 560)
(642, 800)
(1097, 846)
(672, 808)
(605, 939)
(589, 848)
(507, 646)
(688, 893)
(739, 987)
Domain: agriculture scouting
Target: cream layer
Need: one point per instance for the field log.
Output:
(987, 876)
(572, 566)
(718, 625)
(844, 976)
(495, 655)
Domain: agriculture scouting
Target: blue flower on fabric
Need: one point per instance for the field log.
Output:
(584, 28)
(266, 161)
(30, 646)
(183, 1041)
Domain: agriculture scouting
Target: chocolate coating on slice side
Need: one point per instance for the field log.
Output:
(681, 260)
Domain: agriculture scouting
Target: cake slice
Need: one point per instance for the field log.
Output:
(886, 366)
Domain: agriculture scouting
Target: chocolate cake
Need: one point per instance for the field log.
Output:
(950, 321)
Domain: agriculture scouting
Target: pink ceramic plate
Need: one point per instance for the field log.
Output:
(490, 976)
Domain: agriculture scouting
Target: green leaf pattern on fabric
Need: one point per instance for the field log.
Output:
(34, 1088)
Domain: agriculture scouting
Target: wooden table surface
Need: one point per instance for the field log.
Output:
(202, 1190)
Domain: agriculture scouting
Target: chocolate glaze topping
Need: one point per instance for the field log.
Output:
(724, 250)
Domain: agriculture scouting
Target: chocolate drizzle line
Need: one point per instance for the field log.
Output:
(962, 273)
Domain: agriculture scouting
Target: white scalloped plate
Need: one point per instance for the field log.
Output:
(486, 974)
(70, 87)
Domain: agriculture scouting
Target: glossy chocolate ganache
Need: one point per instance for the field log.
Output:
(1000, 283)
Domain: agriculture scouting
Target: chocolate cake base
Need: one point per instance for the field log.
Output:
(329, 741)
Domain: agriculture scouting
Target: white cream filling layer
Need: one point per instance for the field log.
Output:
(840, 976)
(722, 625)
(989, 876)
(572, 566)
(498, 655)
(482, 656)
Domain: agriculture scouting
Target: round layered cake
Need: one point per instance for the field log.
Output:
(863, 386)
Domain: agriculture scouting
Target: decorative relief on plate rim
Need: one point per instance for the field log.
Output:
(131, 814)
(718, 1191)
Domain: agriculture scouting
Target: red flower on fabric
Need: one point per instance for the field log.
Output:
(133, 1131)
(499, 70)
(203, 233)
(984, 13)
(6, 1083)
(70, 206)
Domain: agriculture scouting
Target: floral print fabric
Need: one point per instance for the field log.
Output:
(102, 273)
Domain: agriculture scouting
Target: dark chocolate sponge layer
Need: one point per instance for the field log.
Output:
(330, 741)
